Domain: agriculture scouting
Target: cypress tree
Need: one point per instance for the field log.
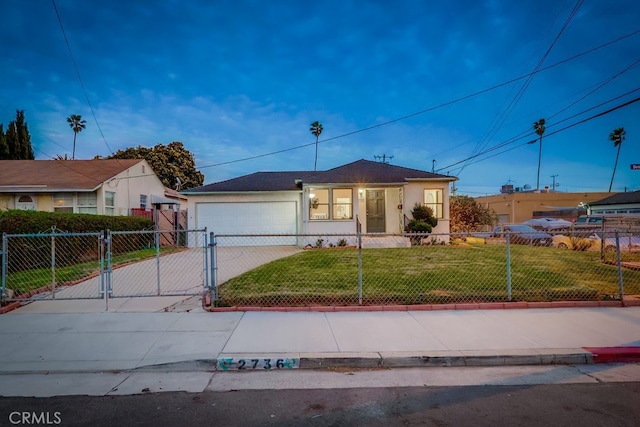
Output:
(4, 148)
(24, 139)
(17, 140)
(11, 137)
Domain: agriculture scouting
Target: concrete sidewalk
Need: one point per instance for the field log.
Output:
(123, 341)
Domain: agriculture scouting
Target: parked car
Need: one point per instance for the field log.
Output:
(523, 234)
(593, 242)
(548, 224)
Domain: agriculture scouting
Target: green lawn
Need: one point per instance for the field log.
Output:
(428, 274)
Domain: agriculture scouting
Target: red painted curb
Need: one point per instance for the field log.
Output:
(12, 306)
(614, 354)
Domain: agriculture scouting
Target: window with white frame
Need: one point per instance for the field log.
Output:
(75, 203)
(109, 203)
(330, 203)
(87, 203)
(433, 199)
(143, 201)
(63, 202)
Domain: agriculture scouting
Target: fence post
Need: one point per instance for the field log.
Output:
(3, 285)
(212, 257)
(619, 264)
(359, 231)
(53, 263)
(156, 235)
(508, 265)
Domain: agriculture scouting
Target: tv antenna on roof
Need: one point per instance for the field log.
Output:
(384, 158)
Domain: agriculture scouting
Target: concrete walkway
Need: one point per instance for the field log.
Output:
(90, 351)
(110, 341)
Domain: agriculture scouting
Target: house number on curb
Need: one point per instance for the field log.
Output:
(231, 364)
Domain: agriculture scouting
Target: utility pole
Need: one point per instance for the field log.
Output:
(554, 185)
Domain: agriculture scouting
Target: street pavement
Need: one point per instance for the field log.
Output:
(95, 352)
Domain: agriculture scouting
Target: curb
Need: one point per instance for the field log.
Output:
(482, 358)
(614, 354)
(432, 307)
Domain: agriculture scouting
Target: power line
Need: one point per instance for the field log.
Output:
(445, 104)
(529, 142)
(75, 66)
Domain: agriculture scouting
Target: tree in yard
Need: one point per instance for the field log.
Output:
(77, 124)
(15, 143)
(468, 215)
(316, 129)
(617, 136)
(173, 164)
(539, 128)
(4, 148)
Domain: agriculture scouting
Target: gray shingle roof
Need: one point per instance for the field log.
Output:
(620, 198)
(369, 172)
(258, 181)
(360, 172)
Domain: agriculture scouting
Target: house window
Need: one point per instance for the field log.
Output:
(330, 203)
(433, 200)
(88, 203)
(109, 203)
(63, 202)
(143, 201)
(342, 203)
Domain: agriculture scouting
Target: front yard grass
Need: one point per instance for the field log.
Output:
(428, 274)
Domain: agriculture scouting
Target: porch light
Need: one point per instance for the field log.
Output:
(311, 195)
(361, 193)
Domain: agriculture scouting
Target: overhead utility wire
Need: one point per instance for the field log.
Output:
(75, 66)
(454, 101)
(547, 135)
(518, 96)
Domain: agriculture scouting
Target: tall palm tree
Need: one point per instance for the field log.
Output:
(617, 136)
(316, 129)
(77, 124)
(539, 128)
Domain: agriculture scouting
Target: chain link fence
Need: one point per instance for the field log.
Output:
(103, 264)
(374, 269)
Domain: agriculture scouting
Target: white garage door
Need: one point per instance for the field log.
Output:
(249, 218)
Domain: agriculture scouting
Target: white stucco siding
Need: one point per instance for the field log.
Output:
(414, 193)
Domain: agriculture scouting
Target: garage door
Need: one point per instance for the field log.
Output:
(249, 218)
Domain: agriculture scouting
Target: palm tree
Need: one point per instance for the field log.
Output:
(316, 129)
(617, 136)
(77, 124)
(539, 128)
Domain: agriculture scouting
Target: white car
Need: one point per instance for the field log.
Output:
(548, 224)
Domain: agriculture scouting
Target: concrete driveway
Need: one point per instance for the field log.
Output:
(175, 283)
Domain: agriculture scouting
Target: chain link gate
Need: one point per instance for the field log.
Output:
(102, 265)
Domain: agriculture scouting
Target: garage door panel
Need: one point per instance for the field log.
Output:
(249, 218)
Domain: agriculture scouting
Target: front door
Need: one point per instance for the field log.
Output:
(375, 211)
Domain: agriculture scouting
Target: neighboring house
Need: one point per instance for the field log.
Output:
(519, 206)
(377, 195)
(105, 187)
(620, 203)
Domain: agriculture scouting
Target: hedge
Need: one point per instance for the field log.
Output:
(31, 222)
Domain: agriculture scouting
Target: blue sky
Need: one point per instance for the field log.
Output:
(416, 81)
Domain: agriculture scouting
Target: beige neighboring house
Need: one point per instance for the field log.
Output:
(104, 187)
(517, 207)
(376, 195)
